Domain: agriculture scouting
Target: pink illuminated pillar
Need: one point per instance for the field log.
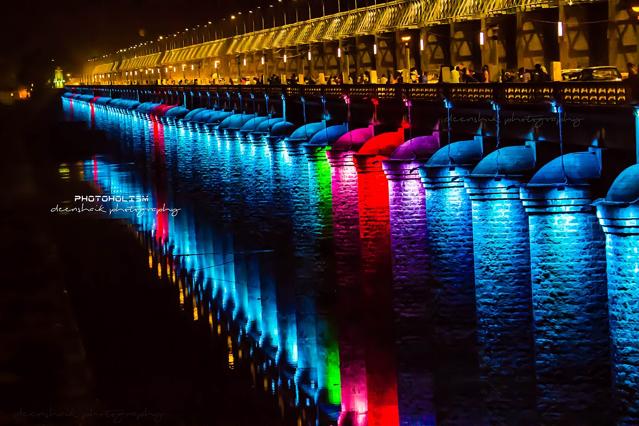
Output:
(354, 405)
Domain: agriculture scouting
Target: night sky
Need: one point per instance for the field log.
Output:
(70, 31)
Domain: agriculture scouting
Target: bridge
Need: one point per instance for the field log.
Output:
(389, 37)
(519, 232)
(604, 113)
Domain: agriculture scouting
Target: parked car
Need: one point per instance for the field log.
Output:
(571, 74)
(602, 73)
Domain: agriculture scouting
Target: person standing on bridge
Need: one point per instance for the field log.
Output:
(455, 75)
(485, 74)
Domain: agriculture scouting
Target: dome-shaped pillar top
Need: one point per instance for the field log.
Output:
(619, 211)
(404, 162)
(500, 174)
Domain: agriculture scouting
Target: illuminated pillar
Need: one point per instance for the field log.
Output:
(287, 301)
(619, 216)
(328, 369)
(502, 281)
(568, 274)
(411, 304)
(354, 399)
(374, 227)
(309, 265)
(450, 276)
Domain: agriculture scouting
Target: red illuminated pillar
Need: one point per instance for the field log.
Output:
(374, 227)
(159, 160)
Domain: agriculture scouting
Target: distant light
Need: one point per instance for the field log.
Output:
(406, 38)
(232, 16)
(262, 60)
(560, 29)
(421, 44)
(166, 69)
(192, 67)
(309, 55)
(244, 61)
(635, 9)
(339, 52)
(285, 57)
(375, 49)
(481, 38)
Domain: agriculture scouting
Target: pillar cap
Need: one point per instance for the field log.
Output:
(235, 121)
(328, 136)
(253, 123)
(462, 153)
(511, 161)
(353, 140)
(625, 189)
(266, 125)
(307, 131)
(282, 128)
(418, 148)
(383, 144)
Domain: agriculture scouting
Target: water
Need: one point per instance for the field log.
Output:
(293, 263)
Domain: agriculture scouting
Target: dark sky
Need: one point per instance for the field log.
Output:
(70, 31)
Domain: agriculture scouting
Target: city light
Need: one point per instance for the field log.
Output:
(339, 52)
(560, 29)
(421, 44)
(481, 38)
(309, 55)
(262, 60)
(285, 57)
(375, 49)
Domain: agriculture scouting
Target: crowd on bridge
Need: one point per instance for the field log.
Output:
(456, 74)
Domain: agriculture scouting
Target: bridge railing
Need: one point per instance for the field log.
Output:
(617, 93)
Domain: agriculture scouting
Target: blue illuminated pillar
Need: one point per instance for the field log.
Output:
(502, 283)
(568, 275)
(619, 216)
(450, 276)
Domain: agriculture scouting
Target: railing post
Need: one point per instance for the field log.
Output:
(283, 105)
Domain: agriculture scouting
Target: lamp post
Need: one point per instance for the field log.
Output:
(261, 15)
(233, 19)
(252, 20)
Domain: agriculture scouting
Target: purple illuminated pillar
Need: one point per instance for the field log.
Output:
(411, 301)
